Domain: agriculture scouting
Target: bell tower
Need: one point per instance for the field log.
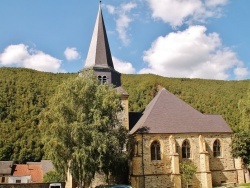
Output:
(99, 59)
(99, 56)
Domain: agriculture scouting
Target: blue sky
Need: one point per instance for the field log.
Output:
(173, 38)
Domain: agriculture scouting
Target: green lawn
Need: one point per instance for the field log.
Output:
(246, 185)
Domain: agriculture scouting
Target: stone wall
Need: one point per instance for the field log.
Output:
(124, 114)
(210, 170)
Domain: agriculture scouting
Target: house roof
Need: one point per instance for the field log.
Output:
(121, 91)
(166, 113)
(21, 170)
(47, 166)
(6, 167)
(33, 170)
(99, 54)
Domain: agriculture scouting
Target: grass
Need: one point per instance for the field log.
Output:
(246, 185)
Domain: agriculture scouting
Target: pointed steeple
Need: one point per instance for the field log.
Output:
(99, 54)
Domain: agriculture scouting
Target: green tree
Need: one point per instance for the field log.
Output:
(240, 146)
(81, 130)
(241, 139)
(53, 176)
(244, 108)
(188, 170)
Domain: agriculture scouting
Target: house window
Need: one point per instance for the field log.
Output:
(3, 180)
(18, 181)
(155, 151)
(217, 148)
(185, 149)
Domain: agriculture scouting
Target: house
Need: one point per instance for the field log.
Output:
(5, 170)
(26, 173)
(31, 172)
(170, 132)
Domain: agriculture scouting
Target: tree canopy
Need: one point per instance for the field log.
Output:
(53, 176)
(241, 140)
(244, 109)
(25, 93)
(81, 129)
(240, 146)
(187, 170)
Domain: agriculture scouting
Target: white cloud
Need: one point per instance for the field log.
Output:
(14, 54)
(177, 12)
(123, 66)
(21, 56)
(240, 72)
(71, 54)
(192, 54)
(42, 62)
(123, 19)
(111, 9)
(215, 3)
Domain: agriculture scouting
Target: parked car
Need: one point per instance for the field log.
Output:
(55, 185)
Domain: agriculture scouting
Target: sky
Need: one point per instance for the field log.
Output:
(208, 39)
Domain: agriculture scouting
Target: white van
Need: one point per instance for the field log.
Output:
(55, 185)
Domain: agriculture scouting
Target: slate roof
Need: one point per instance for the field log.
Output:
(6, 167)
(47, 166)
(121, 91)
(99, 54)
(166, 113)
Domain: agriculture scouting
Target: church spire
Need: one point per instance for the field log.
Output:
(99, 54)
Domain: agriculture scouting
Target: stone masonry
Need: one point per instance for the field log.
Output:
(211, 171)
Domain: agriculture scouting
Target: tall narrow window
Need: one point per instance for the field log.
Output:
(155, 151)
(137, 148)
(100, 79)
(104, 79)
(217, 148)
(186, 149)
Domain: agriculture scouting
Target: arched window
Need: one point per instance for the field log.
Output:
(155, 151)
(104, 79)
(185, 149)
(100, 79)
(217, 148)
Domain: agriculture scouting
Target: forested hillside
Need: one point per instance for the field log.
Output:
(207, 96)
(24, 93)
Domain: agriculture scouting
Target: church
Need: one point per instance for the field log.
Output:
(168, 133)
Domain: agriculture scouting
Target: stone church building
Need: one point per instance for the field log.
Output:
(168, 132)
